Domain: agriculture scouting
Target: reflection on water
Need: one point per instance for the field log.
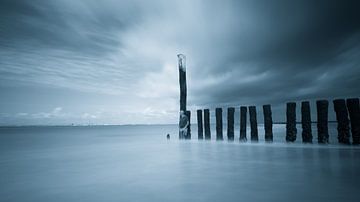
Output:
(138, 163)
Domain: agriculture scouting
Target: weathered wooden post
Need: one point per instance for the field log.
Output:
(243, 112)
(188, 114)
(219, 124)
(342, 118)
(200, 124)
(322, 121)
(268, 123)
(253, 124)
(306, 122)
(291, 122)
(207, 124)
(184, 122)
(354, 112)
(230, 123)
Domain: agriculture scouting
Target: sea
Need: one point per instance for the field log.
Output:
(138, 163)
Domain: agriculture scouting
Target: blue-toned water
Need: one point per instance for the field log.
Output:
(138, 163)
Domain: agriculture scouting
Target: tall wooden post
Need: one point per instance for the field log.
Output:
(230, 123)
(243, 112)
(184, 122)
(322, 121)
(306, 122)
(207, 124)
(354, 112)
(219, 124)
(268, 123)
(291, 122)
(200, 124)
(253, 124)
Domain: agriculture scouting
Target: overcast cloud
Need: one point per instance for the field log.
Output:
(114, 62)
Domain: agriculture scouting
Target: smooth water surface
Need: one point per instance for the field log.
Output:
(137, 163)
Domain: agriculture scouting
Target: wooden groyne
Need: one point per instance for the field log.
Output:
(347, 117)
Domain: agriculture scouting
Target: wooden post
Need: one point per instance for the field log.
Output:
(219, 124)
(322, 121)
(253, 124)
(184, 122)
(342, 118)
(354, 112)
(188, 134)
(207, 124)
(200, 124)
(268, 123)
(291, 122)
(230, 123)
(306, 122)
(243, 112)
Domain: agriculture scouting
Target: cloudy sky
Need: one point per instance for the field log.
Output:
(114, 61)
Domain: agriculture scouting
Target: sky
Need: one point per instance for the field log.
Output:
(115, 62)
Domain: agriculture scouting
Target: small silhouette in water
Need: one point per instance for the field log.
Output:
(168, 136)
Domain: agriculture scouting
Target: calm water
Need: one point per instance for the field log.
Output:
(137, 163)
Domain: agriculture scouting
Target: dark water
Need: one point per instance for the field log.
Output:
(137, 163)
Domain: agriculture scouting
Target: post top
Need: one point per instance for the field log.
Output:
(182, 61)
(182, 56)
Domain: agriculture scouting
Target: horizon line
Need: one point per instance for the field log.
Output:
(141, 124)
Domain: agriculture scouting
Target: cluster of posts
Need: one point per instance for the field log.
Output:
(347, 113)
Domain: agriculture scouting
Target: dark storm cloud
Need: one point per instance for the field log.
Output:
(48, 24)
(293, 50)
(64, 43)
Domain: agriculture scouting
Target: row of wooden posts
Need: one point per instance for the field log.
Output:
(347, 113)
